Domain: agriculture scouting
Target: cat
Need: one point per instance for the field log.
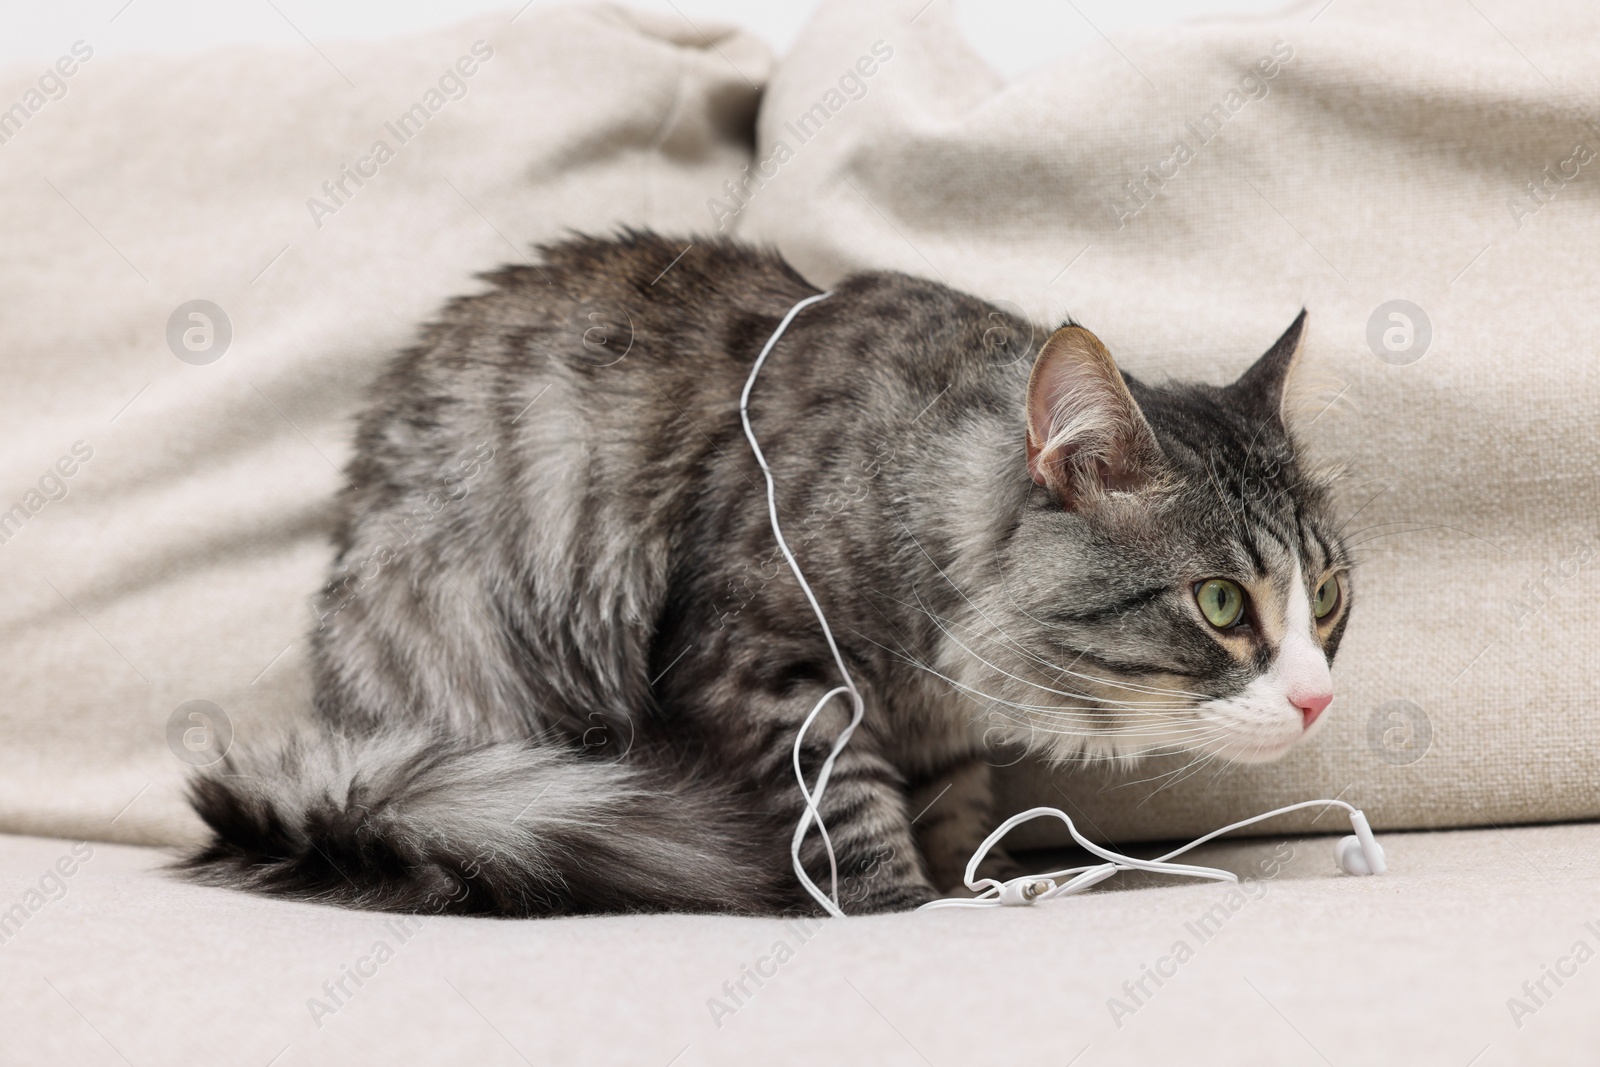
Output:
(560, 665)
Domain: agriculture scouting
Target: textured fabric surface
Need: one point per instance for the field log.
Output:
(181, 562)
(1388, 158)
(1183, 193)
(118, 963)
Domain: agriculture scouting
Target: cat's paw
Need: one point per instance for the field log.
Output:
(878, 900)
(998, 865)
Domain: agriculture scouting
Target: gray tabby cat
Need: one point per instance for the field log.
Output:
(561, 666)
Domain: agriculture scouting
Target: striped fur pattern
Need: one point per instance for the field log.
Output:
(559, 664)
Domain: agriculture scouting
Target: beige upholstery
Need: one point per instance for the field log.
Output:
(1386, 163)
(1388, 159)
(1300, 968)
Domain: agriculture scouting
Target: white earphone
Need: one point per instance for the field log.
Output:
(1357, 854)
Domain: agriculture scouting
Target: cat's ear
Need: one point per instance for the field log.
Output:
(1086, 434)
(1263, 387)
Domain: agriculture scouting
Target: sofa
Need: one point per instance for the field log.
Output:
(208, 258)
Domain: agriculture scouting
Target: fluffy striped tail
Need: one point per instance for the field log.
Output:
(414, 822)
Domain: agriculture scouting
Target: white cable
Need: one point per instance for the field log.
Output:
(1031, 889)
(813, 798)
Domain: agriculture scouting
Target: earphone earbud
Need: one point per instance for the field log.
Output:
(1351, 858)
(1359, 853)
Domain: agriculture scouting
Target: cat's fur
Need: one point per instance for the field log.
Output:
(561, 664)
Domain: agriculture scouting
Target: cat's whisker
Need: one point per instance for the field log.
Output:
(1417, 527)
(1172, 776)
(1128, 717)
(1339, 530)
(1049, 709)
(1185, 734)
(1093, 755)
(1101, 704)
(998, 629)
(1100, 747)
(1192, 768)
(1132, 687)
(975, 654)
(1222, 769)
(1177, 736)
(1018, 647)
(1222, 498)
(1153, 690)
(1040, 709)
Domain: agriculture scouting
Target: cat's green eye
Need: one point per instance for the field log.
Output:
(1221, 602)
(1327, 598)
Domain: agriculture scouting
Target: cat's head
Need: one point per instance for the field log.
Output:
(1177, 581)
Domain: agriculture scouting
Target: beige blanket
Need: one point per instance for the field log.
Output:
(165, 479)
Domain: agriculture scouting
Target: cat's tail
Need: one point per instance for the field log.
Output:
(413, 822)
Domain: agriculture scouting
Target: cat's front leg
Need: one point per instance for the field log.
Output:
(879, 866)
(953, 811)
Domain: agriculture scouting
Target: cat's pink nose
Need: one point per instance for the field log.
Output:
(1311, 705)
